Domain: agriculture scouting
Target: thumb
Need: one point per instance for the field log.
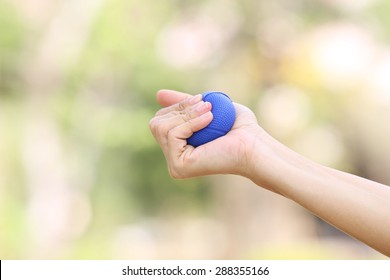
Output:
(166, 97)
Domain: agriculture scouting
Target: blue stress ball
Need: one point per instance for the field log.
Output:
(224, 116)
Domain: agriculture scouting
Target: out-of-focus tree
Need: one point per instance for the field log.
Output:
(82, 177)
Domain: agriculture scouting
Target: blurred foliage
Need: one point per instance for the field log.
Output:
(11, 45)
(77, 90)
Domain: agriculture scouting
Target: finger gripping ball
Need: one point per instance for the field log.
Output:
(224, 115)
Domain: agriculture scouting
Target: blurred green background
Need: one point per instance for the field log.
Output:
(81, 176)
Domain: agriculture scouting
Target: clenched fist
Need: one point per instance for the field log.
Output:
(183, 115)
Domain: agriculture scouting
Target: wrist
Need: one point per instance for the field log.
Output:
(281, 170)
(271, 163)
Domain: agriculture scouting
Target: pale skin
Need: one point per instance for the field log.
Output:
(357, 206)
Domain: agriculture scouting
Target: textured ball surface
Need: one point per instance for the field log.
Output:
(224, 116)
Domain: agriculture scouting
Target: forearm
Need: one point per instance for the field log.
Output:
(357, 206)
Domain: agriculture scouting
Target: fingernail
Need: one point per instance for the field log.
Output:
(207, 115)
(195, 99)
(200, 107)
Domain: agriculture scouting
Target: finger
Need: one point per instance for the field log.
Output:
(166, 97)
(178, 152)
(181, 106)
(161, 125)
(177, 136)
(176, 118)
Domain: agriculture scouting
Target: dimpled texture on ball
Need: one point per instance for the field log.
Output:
(224, 115)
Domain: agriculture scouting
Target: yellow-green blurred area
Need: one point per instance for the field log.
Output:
(81, 176)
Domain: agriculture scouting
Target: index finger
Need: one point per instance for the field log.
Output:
(166, 97)
(181, 105)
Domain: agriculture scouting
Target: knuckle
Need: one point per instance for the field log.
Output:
(176, 173)
(178, 169)
(181, 106)
(153, 124)
(158, 127)
(190, 161)
(184, 104)
(185, 115)
(160, 112)
(163, 129)
(171, 134)
(173, 174)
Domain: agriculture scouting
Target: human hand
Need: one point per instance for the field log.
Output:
(355, 205)
(183, 115)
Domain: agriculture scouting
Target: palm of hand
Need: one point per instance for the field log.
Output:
(228, 154)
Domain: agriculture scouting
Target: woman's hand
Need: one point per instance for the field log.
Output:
(183, 115)
(355, 205)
